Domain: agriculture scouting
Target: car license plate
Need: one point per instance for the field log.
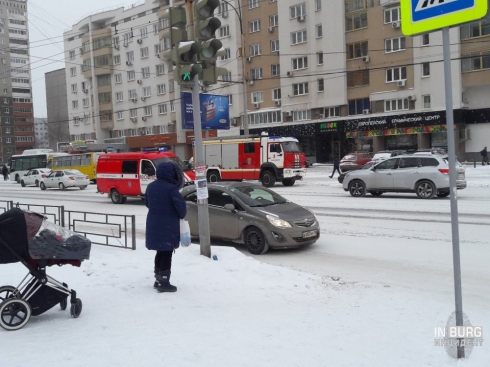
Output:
(461, 176)
(79, 178)
(309, 234)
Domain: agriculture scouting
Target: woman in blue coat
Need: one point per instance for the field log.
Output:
(165, 209)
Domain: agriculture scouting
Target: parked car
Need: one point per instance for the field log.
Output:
(366, 166)
(353, 161)
(34, 176)
(253, 215)
(64, 179)
(381, 156)
(426, 175)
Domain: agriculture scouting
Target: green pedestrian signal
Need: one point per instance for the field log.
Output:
(186, 77)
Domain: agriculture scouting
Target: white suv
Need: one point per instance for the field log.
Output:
(427, 176)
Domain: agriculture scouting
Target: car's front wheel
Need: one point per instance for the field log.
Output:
(268, 178)
(22, 183)
(357, 188)
(255, 241)
(425, 190)
(116, 197)
(62, 186)
(213, 176)
(42, 186)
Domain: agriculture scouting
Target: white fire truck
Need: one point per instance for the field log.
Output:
(254, 157)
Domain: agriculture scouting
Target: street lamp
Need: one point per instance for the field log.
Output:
(244, 80)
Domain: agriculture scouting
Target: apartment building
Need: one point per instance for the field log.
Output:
(57, 108)
(41, 133)
(16, 108)
(120, 87)
(350, 80)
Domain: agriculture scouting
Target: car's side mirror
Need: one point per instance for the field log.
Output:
(373, 168)
(230, 207)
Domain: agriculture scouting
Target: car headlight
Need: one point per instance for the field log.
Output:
(278, 222)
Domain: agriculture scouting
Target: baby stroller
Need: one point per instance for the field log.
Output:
(29, 238)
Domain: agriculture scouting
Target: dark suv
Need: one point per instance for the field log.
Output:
(353, 161)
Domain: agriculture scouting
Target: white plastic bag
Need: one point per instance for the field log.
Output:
(185, 233)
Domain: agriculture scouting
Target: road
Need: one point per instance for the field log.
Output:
(398, 240)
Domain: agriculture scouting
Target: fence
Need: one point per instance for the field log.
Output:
(115, 230)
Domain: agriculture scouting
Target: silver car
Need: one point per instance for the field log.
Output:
(65, 178)
(253, 215)
(426, 175)
(34, 176)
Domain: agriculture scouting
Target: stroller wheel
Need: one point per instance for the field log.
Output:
(64, 303)
(6, 292)
(14, 314)
(76, 308)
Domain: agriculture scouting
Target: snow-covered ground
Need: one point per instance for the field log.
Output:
(368, 293)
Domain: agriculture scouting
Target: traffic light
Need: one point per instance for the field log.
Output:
(186, 74)
(177, 20)
(205, 26)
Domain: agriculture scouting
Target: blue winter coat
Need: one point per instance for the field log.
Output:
(165, 209)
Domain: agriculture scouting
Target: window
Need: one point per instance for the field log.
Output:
(319, 30)
(128, 37)
(145, 72)
(254, 26)
(103, 80)
(85, 102)
(147, 92)
(302, 115)
(300, 89)
(273, 20)
(74, 88)
(161, 89)
(120, 115)
(264, 117)
(172, 106)
(396, 105)
(157, 49)
(130, 56)
(356, 21)
(257, 97)
(119, 96)
(392, 15)
(148, 110)
(133, 112)
(394, 44)
(171, 86)
(131, 75)
(224, 31)
(300, 63)
(354, 5)
(357, 50)
(230, 100)
(425, 39)
(297, 10)
(253, 4)
(476, 29)
(144, 52)
(357, 78)
(255, 50)
(226, 56)
(72, 55)
(226, 77)
(74, 104)
(298, 37)
(275, 45)
(321, 85)
(357, 106)
(105, 97)
(275, 69)
(160, 69)
(223, 8)
(276, 94)
(426, 101)
(118, 78)
(319, 58)
(163, 129)
(395, 74)
(73, 71)
(132, 94)
(318, 5)
(426, 69)
(117, 59)
(475, 61)
(256, 73)
(144, 32)
(162, 109)
(332, 111)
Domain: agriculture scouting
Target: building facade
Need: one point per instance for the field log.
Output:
(16, 108)
(57, 108)
(41, 133)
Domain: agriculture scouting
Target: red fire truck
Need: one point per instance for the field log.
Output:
(123, 175)
(254, 157)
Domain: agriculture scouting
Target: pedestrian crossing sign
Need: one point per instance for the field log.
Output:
(421, 16)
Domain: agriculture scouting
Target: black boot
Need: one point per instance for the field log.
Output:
(163, 279)
(155, 271)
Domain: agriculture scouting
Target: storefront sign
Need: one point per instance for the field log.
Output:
(395, 121)
(329, 127)
(399, 131)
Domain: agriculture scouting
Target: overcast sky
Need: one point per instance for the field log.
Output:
(48, 19)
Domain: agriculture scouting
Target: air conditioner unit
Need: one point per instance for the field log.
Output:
(301, 18)
(401, 83)
(256, 105)
(277, 102)
(134, 119)
(144, 119)
(233, 122)
(365, 58)
(251, 82)
(85, 90)
(139, 81)
(158, 55)
(321, 116)
(125, 44)
(143, 98)
(249, 59)
(134, 99)
(116, 47)
(412, 98)
(224, 14)
(396, 24)
(129, 63)
(140, 41)
(289, 113)
(271, 29)
(365, 112)
(289, 73)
